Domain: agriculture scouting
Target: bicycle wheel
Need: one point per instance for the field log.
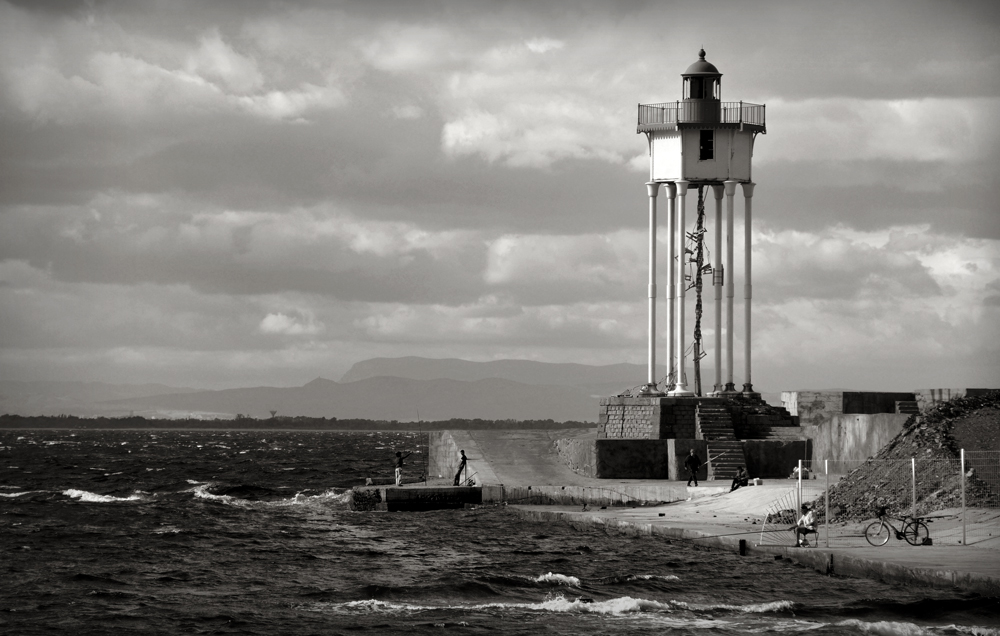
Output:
(915, 532)
(877, 533)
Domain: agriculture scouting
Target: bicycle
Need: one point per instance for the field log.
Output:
(914, 531)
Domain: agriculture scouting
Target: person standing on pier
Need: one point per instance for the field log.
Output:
(399, 467)
(461, 467)
(692, 463)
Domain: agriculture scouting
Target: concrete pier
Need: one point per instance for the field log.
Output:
(414, 498)
(975, 570)
(524, 469)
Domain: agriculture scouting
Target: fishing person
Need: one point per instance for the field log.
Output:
(692, 463)
(805, 525)
(461, 467)
(399, 467)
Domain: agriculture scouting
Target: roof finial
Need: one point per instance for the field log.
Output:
(701, 53)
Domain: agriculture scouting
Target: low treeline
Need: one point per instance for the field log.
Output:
(243, 422)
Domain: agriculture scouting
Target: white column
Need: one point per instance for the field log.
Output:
(747, 286)
(717, 278)
(730, 187)
(652, 188)
(680, 389)
(671, 192)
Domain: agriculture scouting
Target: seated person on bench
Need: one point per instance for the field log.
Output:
(805, 525)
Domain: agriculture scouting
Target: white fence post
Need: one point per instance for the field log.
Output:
(826, 469)
(962, 468)
(799, 510)
(913, 481)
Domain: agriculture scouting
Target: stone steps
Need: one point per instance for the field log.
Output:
(785, 433)
(908, 407)
(724, 458)
(714, 421)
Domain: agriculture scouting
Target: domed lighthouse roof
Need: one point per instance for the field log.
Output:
(701, 68)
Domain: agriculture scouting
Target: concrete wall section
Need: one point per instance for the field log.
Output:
(853, 437)
(813, 407)
(677, 451)
(632, 459)
(774, 459)
(870, 402)
(579, 453)
(443, 457)
(612, 495)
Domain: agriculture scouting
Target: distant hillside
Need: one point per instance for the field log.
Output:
(594, 380)
(74, 398)
(388, 398)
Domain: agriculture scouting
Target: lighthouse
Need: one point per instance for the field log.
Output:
(696, 141)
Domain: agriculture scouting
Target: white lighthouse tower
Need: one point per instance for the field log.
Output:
(700, 140)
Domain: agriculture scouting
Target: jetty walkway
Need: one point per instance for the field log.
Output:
(532, 475)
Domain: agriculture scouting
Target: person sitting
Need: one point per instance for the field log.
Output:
(805, 525)
(795, 473)
(741, 479)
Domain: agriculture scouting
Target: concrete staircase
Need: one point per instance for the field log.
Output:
(724, 457)
(714, 422)
(725, 452)
(784, 434)
(908, 407)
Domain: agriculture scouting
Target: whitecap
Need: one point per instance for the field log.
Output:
(616, 606)
(751, 608)
(14, 494)
(91, 497)
(201, 492)
(322, 499)
(559, 579)
(886, 628)
(975, 630)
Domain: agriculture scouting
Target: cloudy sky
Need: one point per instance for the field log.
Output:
(220, 194)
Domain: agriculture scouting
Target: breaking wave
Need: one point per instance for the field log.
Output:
(91, 497)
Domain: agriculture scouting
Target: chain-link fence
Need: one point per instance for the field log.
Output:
(981, 498)
(875, 502)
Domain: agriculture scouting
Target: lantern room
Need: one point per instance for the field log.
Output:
(701, 139)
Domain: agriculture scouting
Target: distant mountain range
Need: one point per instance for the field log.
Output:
(403, 389)
(75, 398)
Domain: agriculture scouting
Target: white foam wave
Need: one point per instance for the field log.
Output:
(751, 608)
(91, 497)
(615, 606)
(651, 577)
(559, 579)
(975, 630)
(559, 604)
(323, 499)
(13, 494)
(329, 497)
(895, 628)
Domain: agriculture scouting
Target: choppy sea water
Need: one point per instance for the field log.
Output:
(170, 532)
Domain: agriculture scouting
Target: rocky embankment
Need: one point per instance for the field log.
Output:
(935, 438)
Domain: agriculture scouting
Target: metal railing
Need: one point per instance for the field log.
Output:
(679, 112)
(958, 499)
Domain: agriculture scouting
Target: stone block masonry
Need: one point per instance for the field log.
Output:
(647, 418)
